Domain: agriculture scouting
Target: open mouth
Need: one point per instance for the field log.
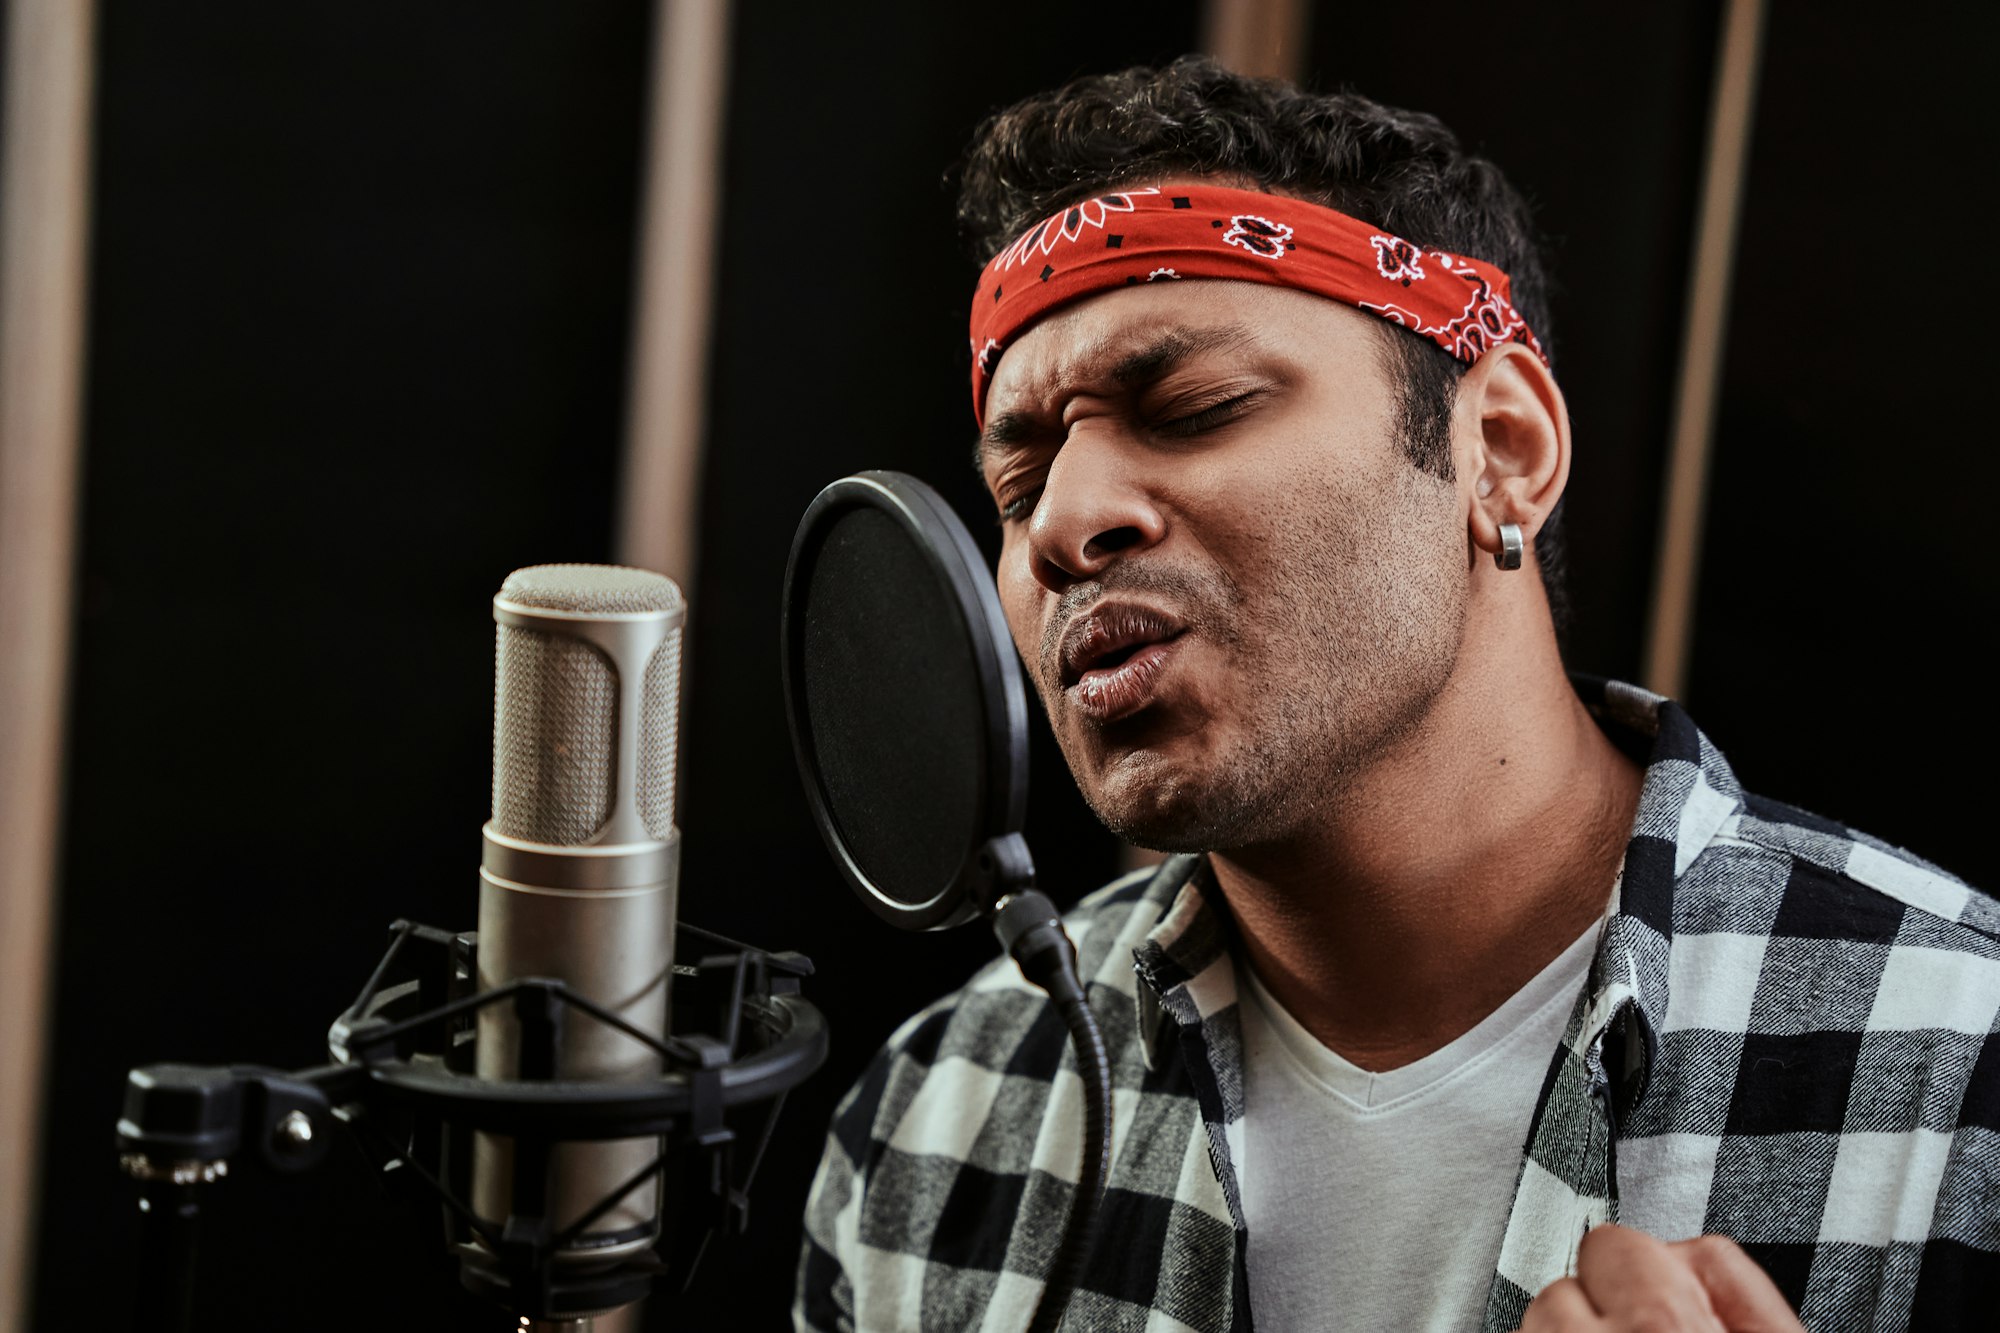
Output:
(1115, 658)
(1110, 636)
(1112, 658)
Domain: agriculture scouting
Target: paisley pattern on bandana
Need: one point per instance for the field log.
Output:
(1197, 230)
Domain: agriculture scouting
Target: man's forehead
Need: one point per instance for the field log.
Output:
(1101, 327)
(1128, 359)
(1102, 333)
(1123, 341)
(1122, 356)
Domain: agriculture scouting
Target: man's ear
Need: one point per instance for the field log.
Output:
(1510, 440)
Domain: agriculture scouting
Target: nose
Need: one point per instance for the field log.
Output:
(1094, 508)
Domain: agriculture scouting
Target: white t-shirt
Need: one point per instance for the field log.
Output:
(1378, 1201)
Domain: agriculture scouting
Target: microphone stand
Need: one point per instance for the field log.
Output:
(403, 1055)
(170, 1203)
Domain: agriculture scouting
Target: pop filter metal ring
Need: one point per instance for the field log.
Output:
(938, 535)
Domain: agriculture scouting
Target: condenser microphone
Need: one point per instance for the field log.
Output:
(579, 877)
(526, 1076)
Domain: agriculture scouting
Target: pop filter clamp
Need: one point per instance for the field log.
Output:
(910, 726)
(401, 1085)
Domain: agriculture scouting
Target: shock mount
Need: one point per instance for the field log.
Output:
(401, 1086)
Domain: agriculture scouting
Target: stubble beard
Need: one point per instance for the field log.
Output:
(1339, 640)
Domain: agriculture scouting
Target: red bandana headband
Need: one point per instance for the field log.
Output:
(1196, 230)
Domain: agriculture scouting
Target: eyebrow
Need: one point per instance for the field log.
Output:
(1144, 365)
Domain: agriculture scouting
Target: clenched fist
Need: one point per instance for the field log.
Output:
(1626, 1280)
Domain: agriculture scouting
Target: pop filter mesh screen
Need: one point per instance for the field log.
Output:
(894, 706)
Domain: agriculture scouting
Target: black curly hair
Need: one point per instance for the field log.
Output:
(1401, 170)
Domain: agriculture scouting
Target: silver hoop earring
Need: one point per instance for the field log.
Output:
(1509, 554)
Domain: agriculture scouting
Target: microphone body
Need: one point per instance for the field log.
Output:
(579, 875)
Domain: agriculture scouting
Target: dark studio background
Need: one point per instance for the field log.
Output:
(360, 305)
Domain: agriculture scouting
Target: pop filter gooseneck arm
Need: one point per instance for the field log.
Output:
(1032, 933)
(910, 725)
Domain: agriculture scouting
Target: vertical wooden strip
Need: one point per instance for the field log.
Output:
(659, 498)
(1262, 38)
(44, 229)
(666, 411)
(1670, 627)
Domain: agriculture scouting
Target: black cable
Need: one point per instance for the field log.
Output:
(1031, 931)
(1080, 1231)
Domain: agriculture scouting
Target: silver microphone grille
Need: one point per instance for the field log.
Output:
(558, 697)
(592, 589)
(659, 736)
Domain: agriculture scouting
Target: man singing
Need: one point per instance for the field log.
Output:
(1480, 995)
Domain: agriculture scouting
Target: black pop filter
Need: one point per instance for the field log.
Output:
(905, 702)
(911, 730)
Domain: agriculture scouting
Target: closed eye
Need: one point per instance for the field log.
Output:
(1020, 506)
(1221, 414)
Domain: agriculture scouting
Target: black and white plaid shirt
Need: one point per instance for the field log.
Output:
(1788, 1037)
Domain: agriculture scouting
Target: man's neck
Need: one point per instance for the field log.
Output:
(1458, 865)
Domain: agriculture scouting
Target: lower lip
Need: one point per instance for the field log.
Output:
(1120, 691)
